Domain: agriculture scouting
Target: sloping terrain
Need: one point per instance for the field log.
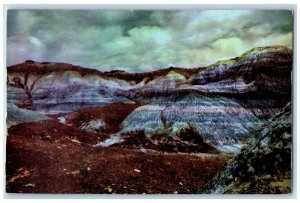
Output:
(54, 131)
(190, 142)
(260, 79)
(215, 120)
(223, 104)
(255, 70)
(46, 87)
(61, 165)
(265, 165)
(104, 120)
(79, 130)
(17, 115)
(257, 80)
(161, 86)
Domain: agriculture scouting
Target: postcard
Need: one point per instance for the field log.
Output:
(129, 101)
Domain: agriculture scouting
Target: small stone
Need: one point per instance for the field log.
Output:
(268, 176)
(137, 170)
(251, 169)
(175, 192)
(180, 183)
(109, 189)
(30, 185)
(88, 168)
(75, 172)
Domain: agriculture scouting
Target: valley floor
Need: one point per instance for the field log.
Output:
(52, 157)
(39, 166)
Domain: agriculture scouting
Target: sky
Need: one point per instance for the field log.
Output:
(142, 40)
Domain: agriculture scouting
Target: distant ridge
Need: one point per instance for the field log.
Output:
(48, 67)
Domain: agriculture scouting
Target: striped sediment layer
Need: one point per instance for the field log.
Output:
(264, 166)
(262, 69)
(216, 120)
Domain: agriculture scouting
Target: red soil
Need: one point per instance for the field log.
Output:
(112, 114)
(54, 131)
(42, 166)
(51, 157)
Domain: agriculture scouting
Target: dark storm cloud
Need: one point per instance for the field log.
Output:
(141, 40)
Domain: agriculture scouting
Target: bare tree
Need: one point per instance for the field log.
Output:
(24, 84)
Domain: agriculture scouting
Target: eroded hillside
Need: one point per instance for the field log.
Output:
(171, 130)
(265, 166)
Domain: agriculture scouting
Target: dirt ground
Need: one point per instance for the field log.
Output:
(51, 157)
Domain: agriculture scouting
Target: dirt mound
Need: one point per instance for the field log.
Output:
(54, 131)
(112, 115)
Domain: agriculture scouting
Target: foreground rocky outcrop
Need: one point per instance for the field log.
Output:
(265, 165)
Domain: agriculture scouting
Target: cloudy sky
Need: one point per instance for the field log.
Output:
(136, 40)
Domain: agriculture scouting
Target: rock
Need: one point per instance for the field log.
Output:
(162, 142)
(137, 170)
(76, 172)
(162, 85)
(74, 140)
(17, 115)
(259, 80)
(218, 106)
(267, 157)
(260, 69)
(110, 141)
(60, 88)
(256, 80)
(215, 119)
(30, 185)
(95, 126)
(109, 189)
(62, 119)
